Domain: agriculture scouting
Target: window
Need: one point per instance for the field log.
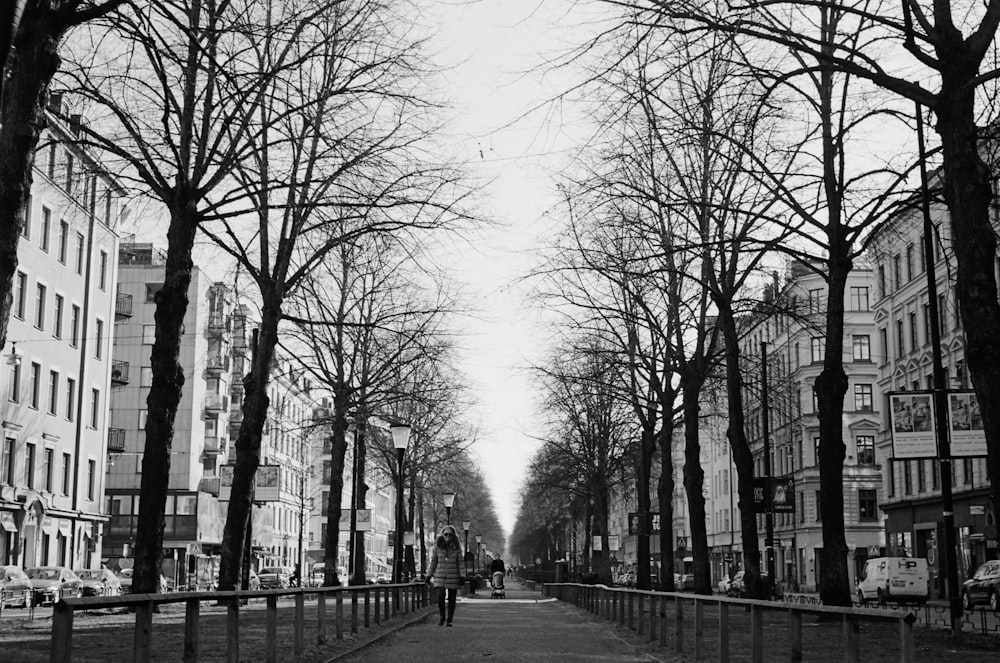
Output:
(99, 338)
(46, 228)
(900, 340)
(921, 262)
(26, 228)
(907, 479)
(909, 262)
(151, 290)
(935, 475)
(914, 343)
(921, 477)
(35, 384)
(53, 162)
(816, 346)
(53, 392)
(74, 326)
(102, 274)
(866, 449)
(29, 465)
(862, 345)
(7, 462)
(79, 252)
(14, 383)
(819, 512)
(91, 479)
(148, 334)
(146, 376)
(40, 292)
(68, 182)
(67, 470)
(95, 407)
(859, 298)
(897, 272)
(967, 471)
(816, 300)
(890, 478)
(57, 316)
(863, 397)
(942, 314)
(881, 281)
(47, 460)
(63, 240)
(20, 294)
(70, 398)
(867, 505)
(143, 414)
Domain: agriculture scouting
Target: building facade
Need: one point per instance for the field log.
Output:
(58, 364)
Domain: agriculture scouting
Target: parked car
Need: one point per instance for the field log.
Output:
(125, 581)
(897, 579)
(15, 587)
(382, 579)
(275, 577)
(737, 587)
(627, 579)
(99, 582)
(983, 587)
(51, 584)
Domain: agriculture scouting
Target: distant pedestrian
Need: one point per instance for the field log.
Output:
(445, 572)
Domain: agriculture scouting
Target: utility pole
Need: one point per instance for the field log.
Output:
(949, 548)
(765, 413)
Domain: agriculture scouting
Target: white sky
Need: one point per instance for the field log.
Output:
(495, 42)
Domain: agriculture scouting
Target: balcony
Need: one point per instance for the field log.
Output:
(216, 365)
(218, 324)
(119, 373)
(210, 485)
(123, 306)
(216, 403)
(116, 440)
(214, 446)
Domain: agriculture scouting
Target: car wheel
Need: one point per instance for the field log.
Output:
(861, 598)
(967, 602)
(994, 601)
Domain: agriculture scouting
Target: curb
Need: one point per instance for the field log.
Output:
(389, 630)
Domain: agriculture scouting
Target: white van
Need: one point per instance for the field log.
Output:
(896, 579)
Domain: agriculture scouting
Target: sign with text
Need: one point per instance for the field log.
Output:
(364, 520)
(267, 483)
(782, 494)
(911, 416)
(965, 424)
(640, 523)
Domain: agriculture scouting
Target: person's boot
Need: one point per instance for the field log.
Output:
(451, 613)
(441, 622)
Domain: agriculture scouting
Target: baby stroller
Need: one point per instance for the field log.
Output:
(498, 590)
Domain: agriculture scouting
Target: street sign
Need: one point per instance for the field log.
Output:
(977, 510)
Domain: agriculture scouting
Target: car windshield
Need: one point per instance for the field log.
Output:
(125, 573)
(44, 574)
(89, 574)
(271, 569)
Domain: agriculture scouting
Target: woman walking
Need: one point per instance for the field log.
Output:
(446, 571)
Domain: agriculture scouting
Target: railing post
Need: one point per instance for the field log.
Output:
(621, 608)
(143, 646)
(340, 614)
(795, 633)
(653, 603)
(321, 618)
(271, 629)
(723, 632)
(756, 634)
(368, 607)
(385, 603)
(300, 623)
(631, 611)
(851, 639)
(699, 628)
(906, 649)
(641, 625)
(62, 633)
(354, 611)
(192, 613)
(678, 625)
(233, 631)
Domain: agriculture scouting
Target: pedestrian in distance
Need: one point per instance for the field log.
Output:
(445, 572)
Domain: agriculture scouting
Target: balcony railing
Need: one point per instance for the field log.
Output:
(119, 373)
(116, 440)
(214, 445)
(216, 403)
(217, 364)
(210, 485)
(123, 306)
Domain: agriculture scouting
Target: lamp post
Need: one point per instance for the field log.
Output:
(449, 501)
(479, 552)
(400, 438)
(468, 558)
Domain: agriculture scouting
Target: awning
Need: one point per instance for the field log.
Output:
(49, 525)
(7, 521)
(65, 527)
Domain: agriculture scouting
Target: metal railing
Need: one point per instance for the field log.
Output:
(667, 615)
(365, 602)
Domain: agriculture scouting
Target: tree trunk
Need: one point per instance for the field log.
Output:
(967, 190)
(255, 407)
(360, 496)
(694, 481)
(164, 397)
(338, 452)
(22, 119)
(601, 564)
(831, 385)
(644, 473)
(665, 496)
(740, 447)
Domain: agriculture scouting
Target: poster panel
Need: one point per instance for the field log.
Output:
(267, 483)
(965, 424)
(911, 416)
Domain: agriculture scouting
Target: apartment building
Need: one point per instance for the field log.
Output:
(912, 488)
(57, 365)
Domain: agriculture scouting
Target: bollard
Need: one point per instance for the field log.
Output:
(906, 648)
(271, 630)
(232, 631)
(340, 615)
(321, 618)
(192, 613)
(143, 645)
(699, 629)
(723, 632)
(640, 626)
(795, 634)
(300, 623)
(62, 633)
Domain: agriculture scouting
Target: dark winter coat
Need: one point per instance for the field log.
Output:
(446, 563)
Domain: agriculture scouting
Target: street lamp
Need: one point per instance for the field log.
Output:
(479, 552)
(466, 524)
(449, 501)
(470, 562)
(400, 438)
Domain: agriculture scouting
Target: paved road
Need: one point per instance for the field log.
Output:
(524, 627)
